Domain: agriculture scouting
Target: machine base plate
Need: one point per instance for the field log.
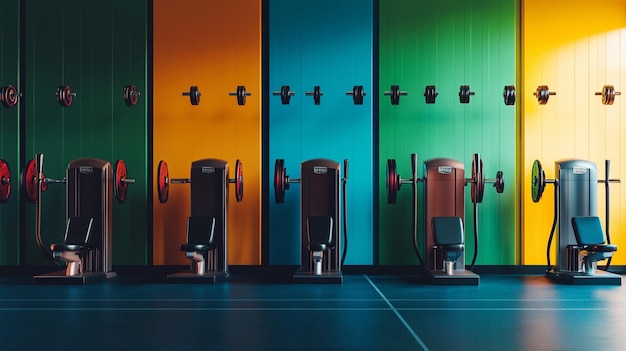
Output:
(334, 277)
(59, 278)
(578, 278)
(191, 277)
(460, 277)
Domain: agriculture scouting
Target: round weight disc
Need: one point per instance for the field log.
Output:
(509, 95)
(27, 181)
(238, 181)
(241, 95)
(478, 183)
(9, 96)
(5, 181)
(163, 186)
(279, 181)
(392, 181)
(130, 95)
(608, 95)
(64, 96)
(120, 187)
(499, 184)
(538, 181)
(194, 95)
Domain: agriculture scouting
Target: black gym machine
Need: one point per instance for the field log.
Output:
(320, 242)
(86, 249)
(580, 240)
(444, 211)
(207, 226)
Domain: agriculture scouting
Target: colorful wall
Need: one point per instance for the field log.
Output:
(575, 59)
(464, 43)
(216, 46)
(97, 58)
(9, 130)
(305, 51)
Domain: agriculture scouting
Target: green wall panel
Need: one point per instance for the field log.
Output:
(9, 130)
(463, 43)
(96, 47)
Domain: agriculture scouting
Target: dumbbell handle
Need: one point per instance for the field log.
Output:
(278, 93)
(128, 180)
(180, 180)
(311, 93)
(549, 93)
(56, 181)
(234, 93)
(616, 93)
(352, 93)
(403, 93)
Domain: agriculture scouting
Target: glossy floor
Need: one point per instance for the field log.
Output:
(366, 312)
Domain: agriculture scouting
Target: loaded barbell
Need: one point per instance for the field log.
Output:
(316, 93)
(5, 181)
(395, 94)
(357, 94)
(608, 94)
(394, 181)
(285, 94)
(30, 178)
(65, 95)
(465, 93)
(131, 95)
(164, 181)
(241, 94)
(282, 180)
(538, 180)
(543, 94)
(9, 96)
(194, 95)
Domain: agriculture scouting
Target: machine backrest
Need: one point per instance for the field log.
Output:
(588, 230)
(200, 230)
(320, 229)
(448, 230)
(78, 230)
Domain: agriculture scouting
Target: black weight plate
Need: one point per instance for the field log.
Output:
(279, 181)
(238, 181)
(392, 180)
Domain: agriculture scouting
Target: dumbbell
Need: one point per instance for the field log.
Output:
(65, 95)
(608, 94)
(316, 93)
(9, 96)
(357, 94)
(194, 95)
(131, 95)
(285, 94)
(509, 95)
(241, 94)
(543, 94)
(395, 94)
(465, 93)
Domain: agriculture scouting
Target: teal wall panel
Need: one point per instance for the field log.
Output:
(464, 43)
(325, 43)
(9, 130)
(96, 47)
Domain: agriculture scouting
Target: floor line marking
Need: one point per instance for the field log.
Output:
(395, 311)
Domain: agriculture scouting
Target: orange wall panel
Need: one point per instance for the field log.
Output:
(215, 45)
(575, 48)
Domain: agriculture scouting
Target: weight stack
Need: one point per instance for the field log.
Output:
(577, 196)
(209, 198)
(443, 197)
(89, 194)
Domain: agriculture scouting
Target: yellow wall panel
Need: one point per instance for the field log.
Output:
(575, 59)
(215, 45)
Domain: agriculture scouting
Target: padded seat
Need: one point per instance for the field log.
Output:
(75, 245)
(590, 240)
(319, 232)
(448, 236)
(200, 232)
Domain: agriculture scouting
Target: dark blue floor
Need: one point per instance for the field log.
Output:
(367, 312)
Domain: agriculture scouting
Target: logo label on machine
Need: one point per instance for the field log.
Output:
(320, 170)
(85, 169)
(579, 170)
(444, 170)
(208, 170)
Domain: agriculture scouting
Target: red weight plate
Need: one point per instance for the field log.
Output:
(5, 181)
(28, 179)
(9, 96)
(279, 181)
(65, 96)
(478, 180)
(392, 181)
(163, 186)
(120, 187)
(238, 181)
(130, 95)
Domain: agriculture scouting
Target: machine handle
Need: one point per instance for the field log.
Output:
(345, 169)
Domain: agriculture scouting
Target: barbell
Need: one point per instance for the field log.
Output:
(241, 94)
(9, 96)
(608, 94)
(465, 93)
(5, 181)
(543, 94)
(394, 181)
(164, 181)
(29, 180)
(65, 95)
(538, 180)
(285, 94)
(131, 95)
(282, 180)
(357, 94)
(194, 95)
(316, 93)
(395, 93)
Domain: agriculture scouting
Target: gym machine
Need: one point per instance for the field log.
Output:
(320, 244)
(86, 249)
(444, 211)
(575, 219)
(207, 227)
